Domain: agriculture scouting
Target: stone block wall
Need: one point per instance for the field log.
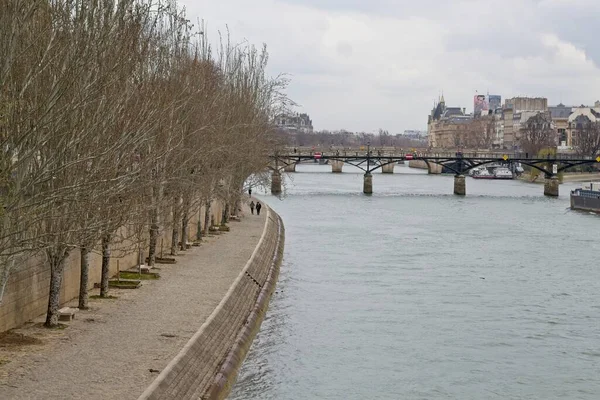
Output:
(420, 164)
(26, 293)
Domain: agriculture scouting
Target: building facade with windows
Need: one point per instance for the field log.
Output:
(294, 122)
(444, 125)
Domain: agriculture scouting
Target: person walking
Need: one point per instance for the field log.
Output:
(258, 207)
(250, 192)
(252, 207)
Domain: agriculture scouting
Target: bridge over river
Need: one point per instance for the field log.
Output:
(459, 163)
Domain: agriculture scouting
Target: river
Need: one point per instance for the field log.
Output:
(414, 293)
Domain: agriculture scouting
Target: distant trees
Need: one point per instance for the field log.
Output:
(480, 133)
(118, 119)
(537, 133)
(384, 138)
(345, 138)
(586, 137)
(477, 133)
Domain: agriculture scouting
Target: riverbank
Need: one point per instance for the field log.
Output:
(568, 177)
(118, 347)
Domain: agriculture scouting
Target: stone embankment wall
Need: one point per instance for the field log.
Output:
(420, 164)
(207, 366)
(433, 168)
(26, 293)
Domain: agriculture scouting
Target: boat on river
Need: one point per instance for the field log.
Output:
(586, 198)
(482, 173)
(502, 173)
(497, 173)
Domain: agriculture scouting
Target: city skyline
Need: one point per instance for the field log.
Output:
(381, 64)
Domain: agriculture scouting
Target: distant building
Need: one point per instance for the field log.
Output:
(294, 122)
(579, 117)
(445, 123)
(560, 116)
(527, 104)
(516, 112)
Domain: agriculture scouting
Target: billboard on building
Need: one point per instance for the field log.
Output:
(480, 104)
(494, 101)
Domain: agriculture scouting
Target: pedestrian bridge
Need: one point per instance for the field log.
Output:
(458, 163)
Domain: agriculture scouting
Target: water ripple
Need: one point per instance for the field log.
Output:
(413, 293)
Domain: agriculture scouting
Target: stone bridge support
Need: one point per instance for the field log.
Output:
(388, 168)
(291, 167)
(276, 182)
(336, 166)
(460, 186)
(551, 186)
(420, 164)
(434, 168)
(368, 183)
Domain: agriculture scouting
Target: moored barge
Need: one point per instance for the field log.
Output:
(586, 198)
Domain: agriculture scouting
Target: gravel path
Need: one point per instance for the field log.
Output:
(115, 350)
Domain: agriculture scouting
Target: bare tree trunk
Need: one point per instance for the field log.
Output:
(199, 228)
(225, 218)
(8, 266)
(207, 217)
(184, 230)
(153, 239)
(105, 265)
(154, 225)
(175, 232)
(83, 279)
(237, 208)
(57, 266)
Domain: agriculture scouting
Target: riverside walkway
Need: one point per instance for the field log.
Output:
(115, 350)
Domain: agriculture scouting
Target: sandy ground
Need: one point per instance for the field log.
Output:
(115, 349)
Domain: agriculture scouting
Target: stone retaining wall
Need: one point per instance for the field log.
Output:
(420, 164)
(26, 293)
(207, 366)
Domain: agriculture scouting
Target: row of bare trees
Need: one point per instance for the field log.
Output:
(118, 121)
(477, 133)
(350, 139)
(538, 133)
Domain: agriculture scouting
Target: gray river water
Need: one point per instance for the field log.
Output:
(414, 293)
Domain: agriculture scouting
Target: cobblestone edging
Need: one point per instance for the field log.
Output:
(207, 366)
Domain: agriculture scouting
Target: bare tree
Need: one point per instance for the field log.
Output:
(384, 137)
(479, 133)
(587, 137)
(537, 134)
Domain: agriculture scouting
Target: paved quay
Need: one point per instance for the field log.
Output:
(116, 349)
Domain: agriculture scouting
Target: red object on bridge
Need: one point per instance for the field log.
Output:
(317, 155)
(408, 157)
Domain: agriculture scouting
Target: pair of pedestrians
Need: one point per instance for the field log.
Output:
(258, 207)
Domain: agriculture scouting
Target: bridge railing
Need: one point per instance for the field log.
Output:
(440, 154)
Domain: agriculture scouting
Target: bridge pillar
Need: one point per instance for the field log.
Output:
(368, 184)
(290, 167)
(551, 186)
(434, 168)
(460, 186)
(276, 183)
(336, 166)
(388, 168)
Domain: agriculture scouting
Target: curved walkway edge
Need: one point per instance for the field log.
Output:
(207, 366)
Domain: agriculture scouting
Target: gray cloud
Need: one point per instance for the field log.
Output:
(363, 65)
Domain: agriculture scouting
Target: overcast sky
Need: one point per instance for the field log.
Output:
(363, 65)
